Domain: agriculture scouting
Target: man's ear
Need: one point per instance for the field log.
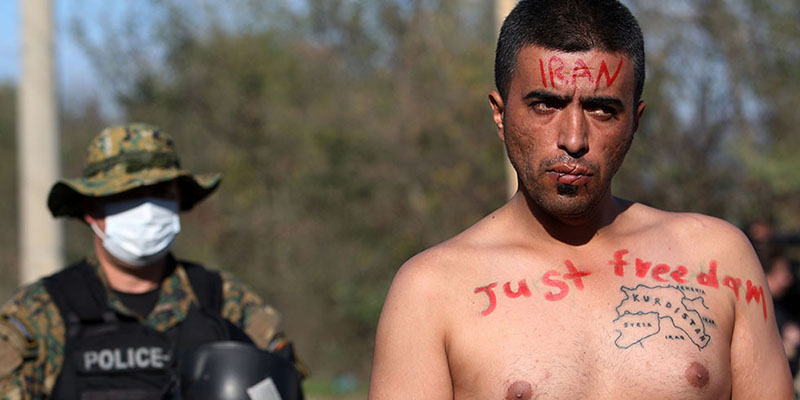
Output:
(638, 114)
(89, 219)
(92, 213)
(498, 112)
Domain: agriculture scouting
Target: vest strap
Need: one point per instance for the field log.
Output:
(77, 292)
(206, 284)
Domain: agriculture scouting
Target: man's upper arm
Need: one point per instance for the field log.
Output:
(11, 358)
(247, 310)
(261, 322)
(759, 366)
(410, 359)
(31, 344)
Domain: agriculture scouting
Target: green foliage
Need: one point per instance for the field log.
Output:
(355, 133)
(348, 142)
(719, 135)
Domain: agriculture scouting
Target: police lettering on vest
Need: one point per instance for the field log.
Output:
(108, 355)
(125, 359)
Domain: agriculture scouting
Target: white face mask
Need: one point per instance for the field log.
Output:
(139, 232)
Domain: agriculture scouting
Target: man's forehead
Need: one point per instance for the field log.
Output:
(531, 50)
(595, 69)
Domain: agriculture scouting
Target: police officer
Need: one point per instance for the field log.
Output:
(116, 324)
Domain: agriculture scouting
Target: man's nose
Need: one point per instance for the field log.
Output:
(573, 135)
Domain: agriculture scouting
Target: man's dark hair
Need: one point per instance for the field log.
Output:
(570, 26)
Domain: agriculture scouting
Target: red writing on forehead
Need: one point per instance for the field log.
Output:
(581, 70)
(604, 71)
(555, 72)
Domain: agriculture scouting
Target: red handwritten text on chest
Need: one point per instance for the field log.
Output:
(678, 275)
(551, 278)
(559, 282)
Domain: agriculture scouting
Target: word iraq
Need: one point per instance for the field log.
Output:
(558, 281)
(124, 359)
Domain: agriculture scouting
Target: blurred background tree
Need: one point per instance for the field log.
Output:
(720, 135)
(354, 133)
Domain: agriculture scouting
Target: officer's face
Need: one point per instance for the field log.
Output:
(95, 208)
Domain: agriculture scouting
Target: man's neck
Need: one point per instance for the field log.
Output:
(573, 230)
(128, 279)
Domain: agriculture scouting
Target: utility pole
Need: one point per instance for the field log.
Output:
(501, 10)
(41, 237)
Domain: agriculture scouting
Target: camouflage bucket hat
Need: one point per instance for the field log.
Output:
(126, 157)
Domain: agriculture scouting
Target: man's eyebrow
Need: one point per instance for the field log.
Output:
(604, 101)
(547, 96)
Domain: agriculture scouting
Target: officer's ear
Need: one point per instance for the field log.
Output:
(93, 212)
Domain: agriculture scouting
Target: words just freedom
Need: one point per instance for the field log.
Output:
(557, 280)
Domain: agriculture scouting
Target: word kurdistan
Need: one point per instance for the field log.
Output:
(644, 309)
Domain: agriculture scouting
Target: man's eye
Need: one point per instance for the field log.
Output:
(542, 107)
(164, 191)
(603, 113)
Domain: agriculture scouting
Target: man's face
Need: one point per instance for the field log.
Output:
(169, 190)
(96, 216)
(567, 123)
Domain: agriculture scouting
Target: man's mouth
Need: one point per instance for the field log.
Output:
(567, 174)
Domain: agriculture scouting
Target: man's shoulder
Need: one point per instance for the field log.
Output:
(688, 223)
(438, 272)
(28, 301)
(243, 307)
(468, 253)
(691, 232)
(234, 290)
(696, 221)
(455, 252)
(29, 317)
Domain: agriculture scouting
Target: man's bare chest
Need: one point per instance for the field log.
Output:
(624, 327)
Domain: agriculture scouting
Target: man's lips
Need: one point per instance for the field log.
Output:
(570, 174)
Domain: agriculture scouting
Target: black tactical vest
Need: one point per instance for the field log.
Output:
(108, 355)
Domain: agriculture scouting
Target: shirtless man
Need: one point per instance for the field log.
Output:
(567, 292)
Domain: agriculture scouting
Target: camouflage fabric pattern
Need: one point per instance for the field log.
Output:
(37, 375)
(126, 157)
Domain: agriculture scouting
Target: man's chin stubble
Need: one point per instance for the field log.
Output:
(566, 190)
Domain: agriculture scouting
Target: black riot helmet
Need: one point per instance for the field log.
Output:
(231, 370)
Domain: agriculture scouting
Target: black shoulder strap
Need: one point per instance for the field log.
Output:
(77, 290)
(206, 284)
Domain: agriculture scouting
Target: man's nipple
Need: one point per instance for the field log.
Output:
(697, 375)
(519, 390)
